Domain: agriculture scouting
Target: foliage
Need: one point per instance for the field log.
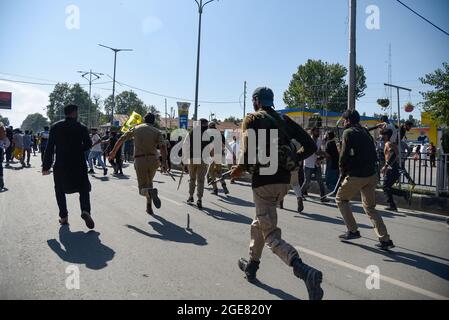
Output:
(34, 122)
(436, 101)
(319, 84)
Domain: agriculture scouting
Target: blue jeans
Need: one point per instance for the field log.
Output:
(308, 179)
(331, 178)
(96, 155)
(1, 162)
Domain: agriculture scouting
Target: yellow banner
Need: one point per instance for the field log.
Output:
(134, 120)
(426, 119)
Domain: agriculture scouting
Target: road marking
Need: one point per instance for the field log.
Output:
(383, 278)
(179, 204)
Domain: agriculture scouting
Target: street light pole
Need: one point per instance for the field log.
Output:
(113, 80)
(201, 6)
(352, 54)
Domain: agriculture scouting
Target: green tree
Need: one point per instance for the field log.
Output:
(125, 103)
(4, 120)
(233, 120)
(437, 101)
(322, 85)
(34, 122)
(64, 94)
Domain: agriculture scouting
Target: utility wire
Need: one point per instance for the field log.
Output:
(427, 20)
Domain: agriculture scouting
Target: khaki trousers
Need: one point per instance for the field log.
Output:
(367, 188)
(215, 172)
(146, 168)
(264, 230)
(294, 183)
(197, 173)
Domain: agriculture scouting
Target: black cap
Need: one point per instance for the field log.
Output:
(265, 96)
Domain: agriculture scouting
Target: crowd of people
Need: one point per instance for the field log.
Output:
(351, 167)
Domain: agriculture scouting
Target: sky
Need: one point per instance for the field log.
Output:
(259, 41)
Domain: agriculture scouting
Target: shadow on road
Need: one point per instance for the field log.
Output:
(233, 200)
(275, 292)
(439, 269)
(81, 248)
(120, 177)
(102, 179)
(170, 232)
(326, 219)
(231, 216)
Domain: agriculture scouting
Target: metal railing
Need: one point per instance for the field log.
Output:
(442, 174)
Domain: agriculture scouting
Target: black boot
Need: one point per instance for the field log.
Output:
(215, 192)
(300, 205)
(312, 278)
(153, 193)
(225, 189)
(199, 204)
(281, 205)
(2, 183)
(249, 268)
(150, 209)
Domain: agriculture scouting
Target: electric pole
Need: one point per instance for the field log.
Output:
(90, 80)
(399, 116)
(352, 53)
(113, 80)
(201, 6)
(244, 101)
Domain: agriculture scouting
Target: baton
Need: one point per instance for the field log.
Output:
(180, 179)
(171, 175)
(337, 187)
(222, 178)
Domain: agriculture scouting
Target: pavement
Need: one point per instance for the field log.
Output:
(185, 253)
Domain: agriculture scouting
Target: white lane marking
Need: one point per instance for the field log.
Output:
(179, 204)
(383, 278)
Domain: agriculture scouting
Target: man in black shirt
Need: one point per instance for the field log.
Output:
(269, 190)
(332, 156)
(69, 140)
(358, 164)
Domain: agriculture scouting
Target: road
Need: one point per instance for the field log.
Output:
(185, 253)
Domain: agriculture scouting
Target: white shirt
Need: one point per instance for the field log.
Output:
(95, 139)
(310, 162)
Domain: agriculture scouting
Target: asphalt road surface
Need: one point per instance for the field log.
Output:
(185, 253)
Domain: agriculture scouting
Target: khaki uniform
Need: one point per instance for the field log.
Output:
(197, 173)
(215, 172)
(146, 158)
(264, 228)
(269, 191)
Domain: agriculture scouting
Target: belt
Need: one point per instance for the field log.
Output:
(143, 155)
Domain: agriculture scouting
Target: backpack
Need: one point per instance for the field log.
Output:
(288, 156)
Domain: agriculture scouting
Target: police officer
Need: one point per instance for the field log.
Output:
(197, 167)
(269, 190)
(216, 169)
(358, 164)
(147, 138)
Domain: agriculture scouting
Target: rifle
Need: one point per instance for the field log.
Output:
(222, 178)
